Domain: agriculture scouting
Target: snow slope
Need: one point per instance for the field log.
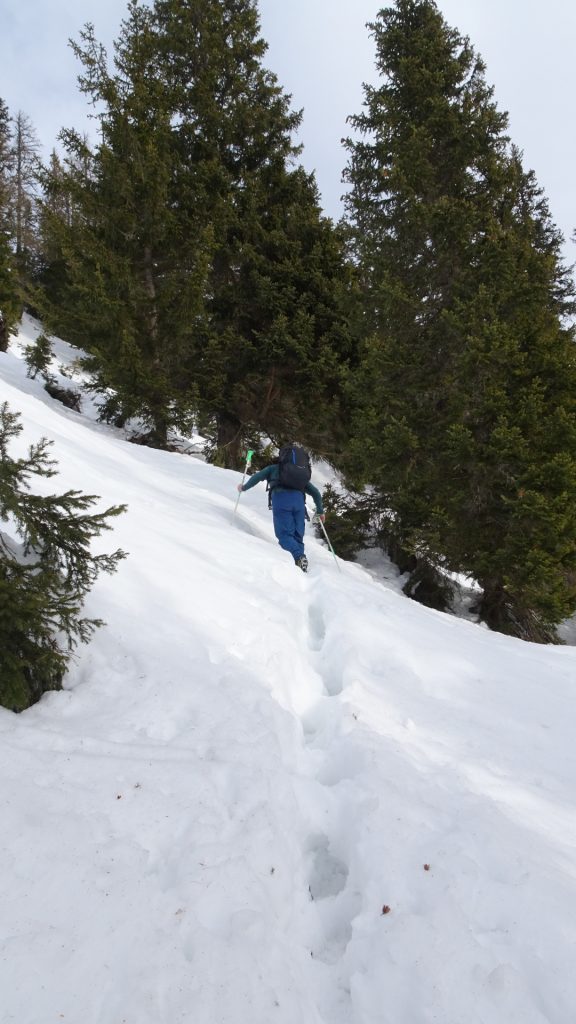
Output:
(270, 798)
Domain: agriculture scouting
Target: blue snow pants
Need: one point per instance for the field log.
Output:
(288, 514)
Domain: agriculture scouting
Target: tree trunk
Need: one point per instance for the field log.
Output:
(3, 334)
(228, 441)
(159, 434)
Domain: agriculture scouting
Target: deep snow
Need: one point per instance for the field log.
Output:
(270, 798)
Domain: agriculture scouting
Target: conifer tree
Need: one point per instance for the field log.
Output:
(46, 570)
(275, 336)
(202, 272)
(9, 292)
(466, 416)
(135, 254)
(55, 218)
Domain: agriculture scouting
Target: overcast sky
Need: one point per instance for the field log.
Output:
(322, 52)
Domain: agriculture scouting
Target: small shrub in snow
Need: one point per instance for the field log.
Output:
(46, 570)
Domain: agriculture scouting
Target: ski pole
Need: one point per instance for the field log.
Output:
(329, 544)
(249, 455)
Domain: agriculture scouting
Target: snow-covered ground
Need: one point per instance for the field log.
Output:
(271, 798)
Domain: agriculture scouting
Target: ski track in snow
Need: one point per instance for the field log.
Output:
(276, 798)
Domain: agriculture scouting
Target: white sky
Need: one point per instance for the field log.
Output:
(321, 52)
(249, 764)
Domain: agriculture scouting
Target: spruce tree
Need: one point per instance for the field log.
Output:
(518, 421)
(56, 216)
(9, 304)
(199, 272)
(9, 290)
(465, 414)
(135, 254)
(46, 570)
(275, 336)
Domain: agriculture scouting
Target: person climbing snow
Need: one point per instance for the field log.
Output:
(288, 479)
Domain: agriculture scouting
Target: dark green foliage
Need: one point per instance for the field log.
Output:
(349, 522)
(466, 396)
(278, 340)
(199, 273)
(273, 339)
(45, 576)
(357, 521)
(134, 248)
(56, 215)
(271, 358)
(10, 306)
(38, 356)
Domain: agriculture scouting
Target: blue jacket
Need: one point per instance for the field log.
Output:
(271, 474)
